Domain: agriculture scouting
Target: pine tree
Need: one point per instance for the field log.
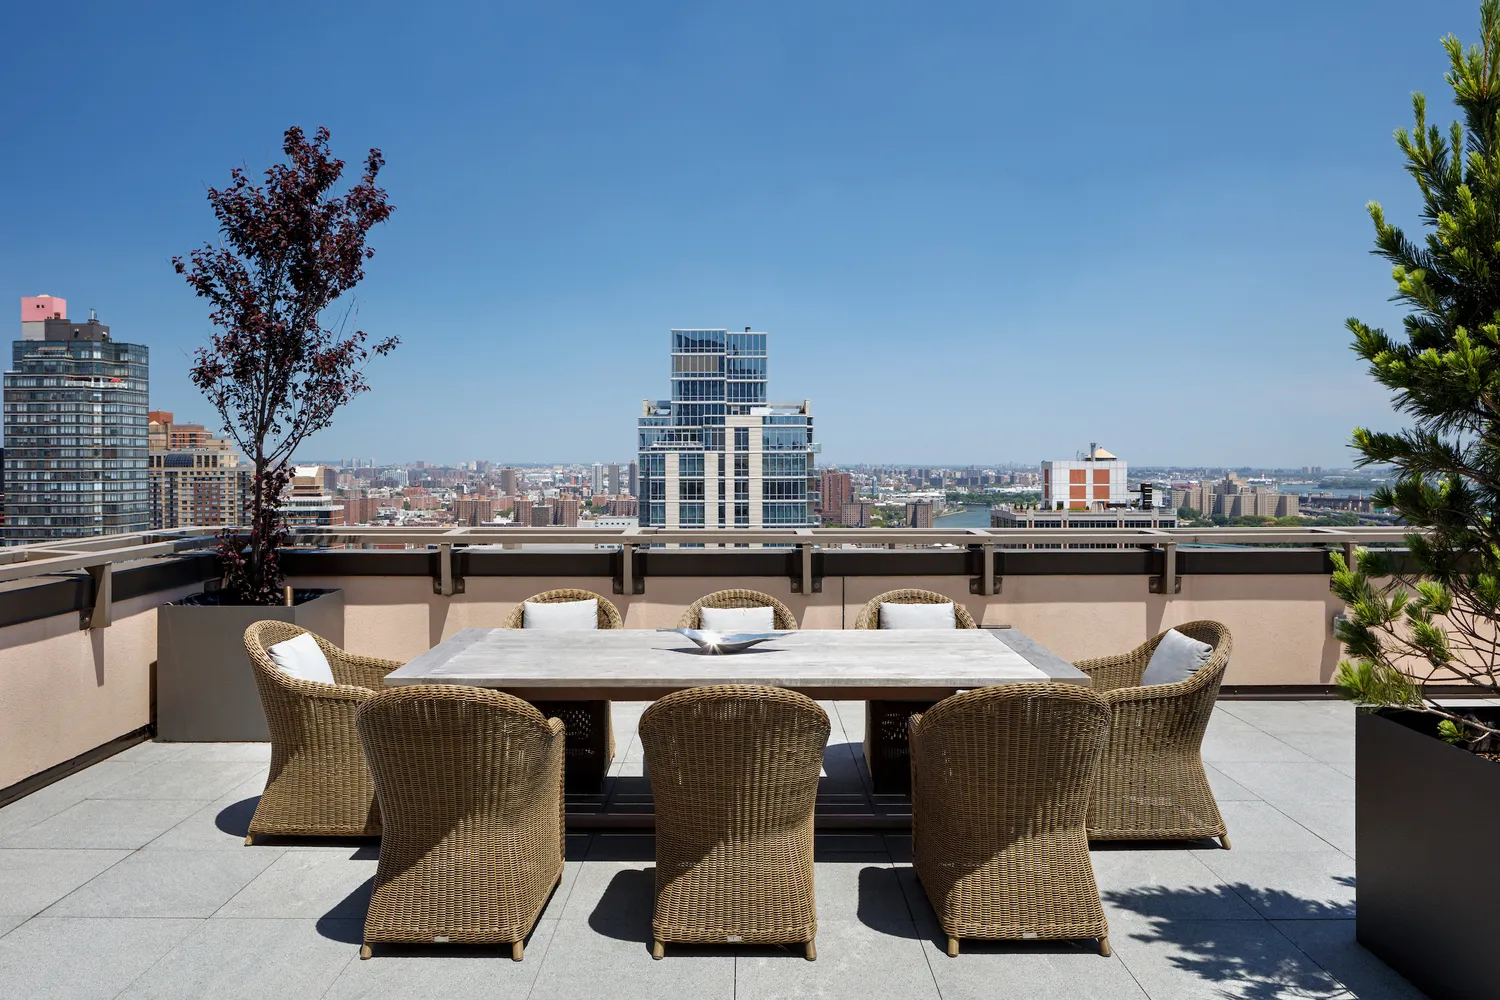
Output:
(1431, 615)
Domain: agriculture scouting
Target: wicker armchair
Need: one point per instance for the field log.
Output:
(591, 731)
(471, 788)
(782, 616)
(319, 785)
(1152, 785)
(1000, 787)
(734, 771)
(886, 752)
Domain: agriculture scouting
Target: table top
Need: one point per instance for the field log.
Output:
(627, 664)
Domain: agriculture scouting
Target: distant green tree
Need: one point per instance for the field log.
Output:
(1432, 616)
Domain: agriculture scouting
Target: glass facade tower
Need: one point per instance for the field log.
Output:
(719, 453)
(75, 434)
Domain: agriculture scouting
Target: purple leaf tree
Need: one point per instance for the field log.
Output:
(280, 362)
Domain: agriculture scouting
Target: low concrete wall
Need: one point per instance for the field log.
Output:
(66, 690)
(1282, 624)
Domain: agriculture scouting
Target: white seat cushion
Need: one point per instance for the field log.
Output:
(1176, 658)
(301, 657)
(917, 615)
(725, 620)
(561, 616)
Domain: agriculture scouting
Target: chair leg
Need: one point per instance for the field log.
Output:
(365, 951)
(1225, 841)
(1104, 948)
(517, 950)
(658, 950)
(812, 952)
(249, 839)
(952, 946)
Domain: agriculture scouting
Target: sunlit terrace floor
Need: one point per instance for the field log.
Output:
(130, 879)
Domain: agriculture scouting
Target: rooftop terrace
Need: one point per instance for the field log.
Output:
(131, 879)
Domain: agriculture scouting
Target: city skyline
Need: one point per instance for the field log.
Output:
(908, 203)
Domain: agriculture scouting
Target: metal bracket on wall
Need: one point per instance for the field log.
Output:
(101, 612)
(626, 582)
(1168, 582)
(805, 582)
(446, 583)
(987, 583)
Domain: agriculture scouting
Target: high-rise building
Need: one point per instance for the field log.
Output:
(473, 511)
(919, 514)
(362, 510)
(634, 479)
(565, 510)
(75, 429)
(194, 478)
(508, 482)
(306, 503)
(522, 512)
(596, 481)
(1096, 479)
(718, 454)
(541, 515)
(835, 488)
(612, 485)
(856, 513)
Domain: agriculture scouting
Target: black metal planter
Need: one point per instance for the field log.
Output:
(1427, 815)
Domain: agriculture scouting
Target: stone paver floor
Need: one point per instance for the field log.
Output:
(130, 879)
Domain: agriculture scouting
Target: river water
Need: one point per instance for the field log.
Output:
(969, 517)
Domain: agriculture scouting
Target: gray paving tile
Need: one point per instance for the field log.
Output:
(613, 957)
(252, 960)
(253, 753)
(220, 825)
(1247, 744)
(1343, 767)
(10, 921)
(1277, 717)
(1225, 788)
(104, 823)
(1030, 970)
(89, 782)
(1332, 821)
(33, 879)
(182, 779)
(306, 884)
(1167, 884)
(69, 958)
(164, 884)
(452, 972)
(34, 808)
(150, 752)
(1280, 782)
(1330, 748)
(1197, 959)
(1260, 826)
(1331, 944)
(1290, 884)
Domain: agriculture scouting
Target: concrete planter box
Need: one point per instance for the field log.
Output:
(1425, 816)
(205, 690)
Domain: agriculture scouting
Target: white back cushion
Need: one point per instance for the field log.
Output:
(724, 620)
(301, 657)
(917, 615)
(1177, 657)
(563, 616)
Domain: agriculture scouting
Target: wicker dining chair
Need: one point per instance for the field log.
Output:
(319, 785)
(591, 730)
(471, 789)
(1000, 787)
(782, 618)
(1152, 785)
(886, 754)
(734, 772)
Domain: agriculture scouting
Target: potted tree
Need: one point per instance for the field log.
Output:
(278, 365)
(1427, 778)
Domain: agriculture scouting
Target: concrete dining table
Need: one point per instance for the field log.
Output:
(633, 665)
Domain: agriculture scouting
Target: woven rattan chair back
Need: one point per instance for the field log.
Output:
(782, 617)
(609, 615)
(590, 724)
(734, 773)
(318, 784)
(869, 615)
(1152, 785)
(470, 785)
(1000, 784)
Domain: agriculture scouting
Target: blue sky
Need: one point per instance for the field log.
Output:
(979, 233)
